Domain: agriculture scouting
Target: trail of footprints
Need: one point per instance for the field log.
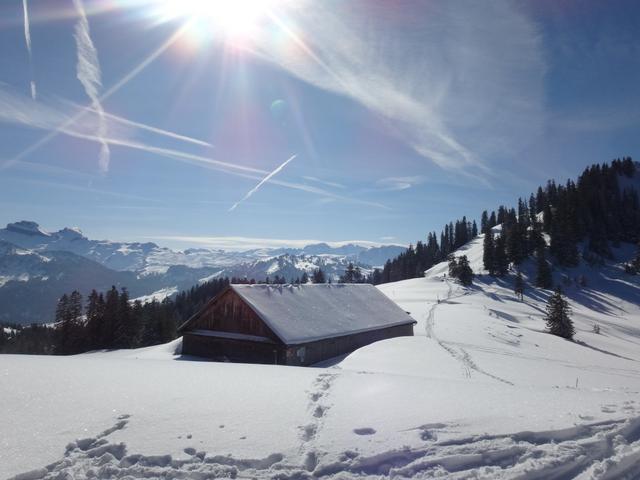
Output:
(603, 450)
(318, 407)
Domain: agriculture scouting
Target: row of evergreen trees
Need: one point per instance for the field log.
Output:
(109, 320)
(598, 210)
(415, 260)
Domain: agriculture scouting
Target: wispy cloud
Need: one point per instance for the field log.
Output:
(399, 183)
(17, 109)
(88, 72)
(324, 182)
(443, 73)
(262, 182)
(239, 244)
(135, 71)
(63, 117)
(27, 39)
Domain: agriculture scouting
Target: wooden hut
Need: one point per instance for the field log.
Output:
(292, 324)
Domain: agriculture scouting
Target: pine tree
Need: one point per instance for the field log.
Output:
(518, 287)
(544, 278)
(319, 277)
(304, 279)
(62, 326)
(453, 266)
(464, 271)
(484, 222)
(558, 316)
(500, 259)
(110, 323)
(69, 324)
(488, 252)
(351, 275)
(95, 313)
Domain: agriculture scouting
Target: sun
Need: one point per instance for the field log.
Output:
(230, 19)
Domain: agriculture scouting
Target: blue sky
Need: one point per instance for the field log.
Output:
(401, 115)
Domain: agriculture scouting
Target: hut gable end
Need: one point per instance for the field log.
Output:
(230, 313)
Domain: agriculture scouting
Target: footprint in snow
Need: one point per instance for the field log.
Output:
(364, 431)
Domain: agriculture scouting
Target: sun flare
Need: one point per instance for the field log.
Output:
(237, 19)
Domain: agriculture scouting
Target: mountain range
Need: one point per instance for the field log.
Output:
(37, 266)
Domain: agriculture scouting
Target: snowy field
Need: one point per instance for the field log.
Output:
(480, 392)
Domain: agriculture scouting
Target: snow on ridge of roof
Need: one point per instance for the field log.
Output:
(306, 313)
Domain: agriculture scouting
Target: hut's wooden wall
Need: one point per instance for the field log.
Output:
(314, 352)
(229, 313)
(224, 349)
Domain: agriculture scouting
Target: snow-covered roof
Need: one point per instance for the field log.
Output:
(306, 313)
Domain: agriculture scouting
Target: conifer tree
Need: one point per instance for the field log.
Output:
(464, 271)
(109, 324)
(488, 252)
(558, 316)
(500, 259)
(518, 287)
(318, 276)
(544, 278)
(484, 222)
(69, 324)
(95, 313)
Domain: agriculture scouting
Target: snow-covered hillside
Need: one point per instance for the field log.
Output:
(481, 391)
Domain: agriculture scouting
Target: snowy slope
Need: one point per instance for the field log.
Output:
(480, 392)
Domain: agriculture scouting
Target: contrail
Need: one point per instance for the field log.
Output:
(117, 86)
(262, 182)
(27, 39)
(88, 72)
(158, 131)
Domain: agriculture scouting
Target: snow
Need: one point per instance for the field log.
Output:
(481, 391)
(306, 313)
(158, 295)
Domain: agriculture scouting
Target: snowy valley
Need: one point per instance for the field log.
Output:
(480, 391)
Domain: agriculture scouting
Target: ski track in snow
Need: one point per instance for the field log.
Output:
(604, 450)
(458, 353)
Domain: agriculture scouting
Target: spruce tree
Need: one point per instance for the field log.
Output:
(62, 325)
(319, 277)
(518, 287)
(500, 259)
(488, 252)
(558, 316)
(110, 323)
(544, 278)
(464, 271)
(453, 266)
(484, 222)
(94, 320)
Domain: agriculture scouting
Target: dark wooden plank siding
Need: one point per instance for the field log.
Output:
(229, 313)
(224, 349)
(314, 352)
